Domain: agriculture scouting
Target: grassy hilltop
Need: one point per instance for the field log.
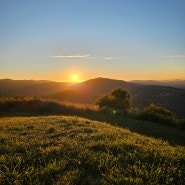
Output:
(74, 150)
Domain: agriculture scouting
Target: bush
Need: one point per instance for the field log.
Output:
(158, 114)
(161, 111)
(157, 118)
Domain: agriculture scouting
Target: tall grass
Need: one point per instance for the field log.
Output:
(72, 150)
(38, 105)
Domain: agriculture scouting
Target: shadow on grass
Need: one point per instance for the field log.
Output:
(174, 136)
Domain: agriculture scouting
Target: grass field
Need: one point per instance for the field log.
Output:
(72, 150)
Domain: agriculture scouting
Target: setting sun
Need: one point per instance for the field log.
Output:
(75, 77)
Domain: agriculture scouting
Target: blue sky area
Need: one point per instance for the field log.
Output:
(120, 39)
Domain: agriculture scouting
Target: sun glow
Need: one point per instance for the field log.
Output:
(75, 77)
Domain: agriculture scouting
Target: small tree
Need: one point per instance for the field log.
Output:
(118, 99)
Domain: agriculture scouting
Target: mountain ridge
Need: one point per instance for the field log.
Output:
(87, 91)
(177, 83)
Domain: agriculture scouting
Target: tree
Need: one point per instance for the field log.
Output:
(117, 99)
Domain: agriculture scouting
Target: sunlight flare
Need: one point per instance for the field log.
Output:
(75, 77)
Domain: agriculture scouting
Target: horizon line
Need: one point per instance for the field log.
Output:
(70, 81)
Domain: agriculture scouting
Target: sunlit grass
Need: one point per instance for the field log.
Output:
(73, 150)
(41, 106)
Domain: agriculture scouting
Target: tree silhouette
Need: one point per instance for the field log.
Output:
(118, 99)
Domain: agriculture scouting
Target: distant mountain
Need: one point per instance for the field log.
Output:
(29, 88)
(86, 92)
(172, 83)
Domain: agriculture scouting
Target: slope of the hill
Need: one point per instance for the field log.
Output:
(72, 150)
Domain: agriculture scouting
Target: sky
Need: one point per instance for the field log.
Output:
(118, 39)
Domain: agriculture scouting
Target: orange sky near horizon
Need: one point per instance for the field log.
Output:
(125, 40)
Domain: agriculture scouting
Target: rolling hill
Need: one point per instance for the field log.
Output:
(87, 91)
(77, 151)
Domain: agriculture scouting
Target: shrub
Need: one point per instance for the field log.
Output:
(160, 110)
(157, 118)
(158, 114)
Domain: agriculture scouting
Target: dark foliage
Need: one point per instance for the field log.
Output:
(157, 118)
(158, 114)
(118, 99)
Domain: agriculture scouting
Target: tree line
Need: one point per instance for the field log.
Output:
(119, 101)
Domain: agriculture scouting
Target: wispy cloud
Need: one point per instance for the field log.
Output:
(175, 56)
(85, 56)
(71, 56)
(113, 58)
(108, 58)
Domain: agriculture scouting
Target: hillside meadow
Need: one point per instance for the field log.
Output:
(73, 150)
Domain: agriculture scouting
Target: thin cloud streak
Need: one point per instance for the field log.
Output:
(113, 58)
(87, 56)
(175, 56)
(70, 56)
(108, 58)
